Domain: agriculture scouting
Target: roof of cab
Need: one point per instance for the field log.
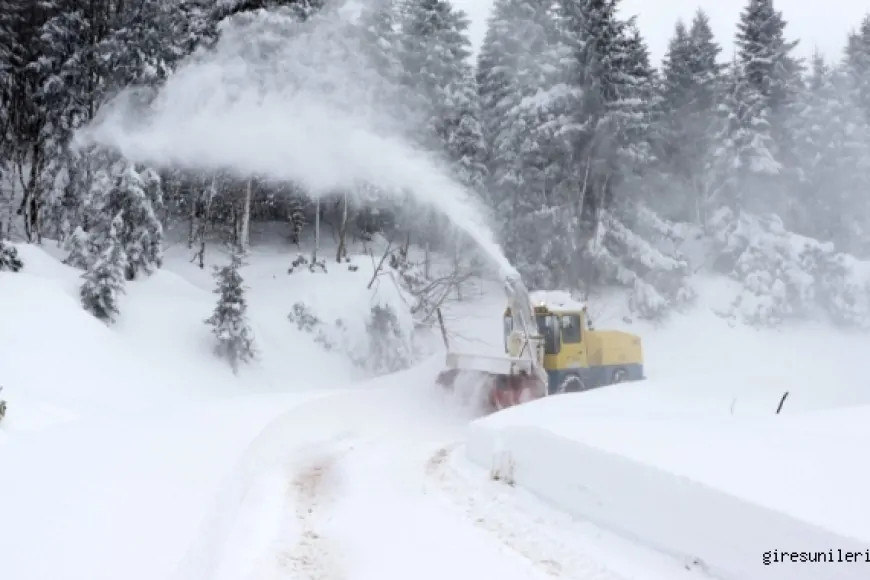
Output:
(556, 301)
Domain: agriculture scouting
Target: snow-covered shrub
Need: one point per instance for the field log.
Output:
(78, 247)
(306, 321)
(842, 285)
(390, 347)
(410, 275)
(769, 263)
(229, 321)
(10, 261)
(642, 252)
(787, 276)
(372, 327)
(385, 348)
(105, 279)
(297, 263)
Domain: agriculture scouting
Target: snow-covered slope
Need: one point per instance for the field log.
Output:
(132, 451)
(119, 440)
(160, 352)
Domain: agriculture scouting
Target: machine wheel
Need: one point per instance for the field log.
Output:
(572, 384)
(619, 376)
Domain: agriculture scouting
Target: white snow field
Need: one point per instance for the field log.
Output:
(132, 452)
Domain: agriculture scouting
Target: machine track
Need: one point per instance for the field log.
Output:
(555, 543)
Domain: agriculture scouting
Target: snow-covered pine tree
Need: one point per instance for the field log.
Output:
(439, 82)
(518, 49)
(141, 234)
(690, 89)
(465, 146)
(65, 58)
(635, 112)
(434, 52)
(596, 37)
(520, 88)
(771, 77)
(857, 66)
(856, 97)
(235, 340)
(380, 38)
(380, 46)
(832, 142)
(30, 72)
(296, 215)
(740, 171)
(633, 246)
(675, 90)
(104, 281)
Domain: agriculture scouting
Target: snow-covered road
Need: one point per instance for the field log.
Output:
(390, 496)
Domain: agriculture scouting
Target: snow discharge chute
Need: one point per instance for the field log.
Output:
(492, 383)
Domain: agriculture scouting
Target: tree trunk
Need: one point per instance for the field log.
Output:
(191, 236)
(29, 208)
(198, 232)
(245, 233)
(316, 231)
(342, 232)
(457, 266)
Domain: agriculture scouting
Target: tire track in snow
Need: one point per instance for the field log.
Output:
(313, 491)
(553, 541)
(437, 467)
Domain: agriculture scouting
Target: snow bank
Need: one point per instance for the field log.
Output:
(723, 491)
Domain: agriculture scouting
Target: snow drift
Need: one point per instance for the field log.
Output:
(704, 522)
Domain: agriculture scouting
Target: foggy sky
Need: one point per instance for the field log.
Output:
(817, 23)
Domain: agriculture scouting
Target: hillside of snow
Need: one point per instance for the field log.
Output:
(121, 439)
(134, 443)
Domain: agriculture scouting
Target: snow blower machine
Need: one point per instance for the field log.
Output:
(550, 348)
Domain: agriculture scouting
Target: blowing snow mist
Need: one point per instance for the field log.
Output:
(288, 101)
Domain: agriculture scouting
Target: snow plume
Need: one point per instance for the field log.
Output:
(291, 101)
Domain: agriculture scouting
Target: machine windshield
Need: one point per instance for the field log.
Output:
(548, 327)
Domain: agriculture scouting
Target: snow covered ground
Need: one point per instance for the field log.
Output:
(132, 452)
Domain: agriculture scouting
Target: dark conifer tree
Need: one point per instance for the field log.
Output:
(235, 340)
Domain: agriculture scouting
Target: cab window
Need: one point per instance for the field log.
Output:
(548, 327)
(571, 328)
